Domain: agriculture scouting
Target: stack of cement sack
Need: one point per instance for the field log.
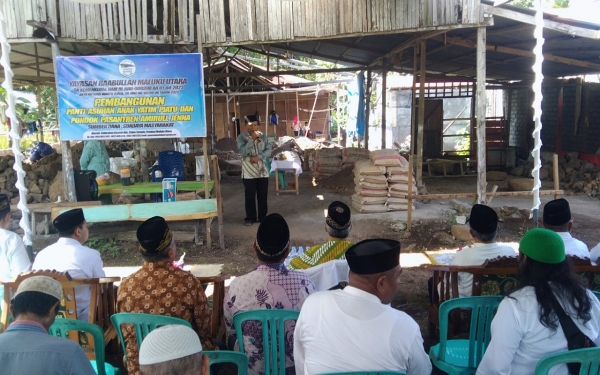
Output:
(381, 183)
(351, 155)
(371, 187)
(328, 161)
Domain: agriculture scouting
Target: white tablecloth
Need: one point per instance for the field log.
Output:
(289, 164)
(328, 274)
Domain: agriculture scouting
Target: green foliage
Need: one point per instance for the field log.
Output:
(549, 3)
(107, 247)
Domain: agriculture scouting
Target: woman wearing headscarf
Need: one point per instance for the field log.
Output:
(95, 157)
(526, 327)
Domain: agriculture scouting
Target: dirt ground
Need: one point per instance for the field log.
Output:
(305, 216)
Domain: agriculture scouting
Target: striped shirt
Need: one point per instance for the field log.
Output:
(249, 148)
(320, 254)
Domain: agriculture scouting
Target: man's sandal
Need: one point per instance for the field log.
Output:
(247, 223)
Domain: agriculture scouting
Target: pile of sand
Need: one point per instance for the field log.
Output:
(340, 182)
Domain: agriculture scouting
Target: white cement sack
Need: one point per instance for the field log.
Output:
(386, 157)
(369, 208)
(368, 200)
(370, 192)
(370, 185)
(366, 167)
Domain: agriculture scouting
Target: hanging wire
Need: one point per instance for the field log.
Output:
(538, 34)
(14, 131)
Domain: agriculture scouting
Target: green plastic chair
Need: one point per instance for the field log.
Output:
(461, 356)
(589, 359)
(597, 294)
(366, 373)
(61, 327)
(144, 324)
(225, 356)
(273, 334)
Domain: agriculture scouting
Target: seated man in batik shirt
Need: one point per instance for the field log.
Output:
(338, 226)
(270, 286)
(162, 289)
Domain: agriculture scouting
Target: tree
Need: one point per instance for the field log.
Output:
(549, 3)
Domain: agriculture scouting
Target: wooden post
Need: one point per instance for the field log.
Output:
(555, 174)
(367, 108)
(413, 111)
(206, 190)
(67, 158)
(298, 109)
(220, 210)
(338, 116)
(421, 124)
(267, 115)
(38, 95)
(313, 107)
(383, 104)
(410, 184)
(480, 112)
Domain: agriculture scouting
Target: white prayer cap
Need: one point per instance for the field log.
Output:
(168, 343)
(42, 284)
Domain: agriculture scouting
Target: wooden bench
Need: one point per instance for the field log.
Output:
(172, 211)
(102, 291)
(494, 277)
(46, 210)
(217, 323)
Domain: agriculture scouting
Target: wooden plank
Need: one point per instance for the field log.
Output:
(144, 20)
(154, 14)
(166, 22)
(122, 33)
(126, 18)
(548, 24)
(192, 21)
(51, 12)
(132, 16)
(186, 210)
(181, 29)
(110, 21)
(104, 16)
(140, 21)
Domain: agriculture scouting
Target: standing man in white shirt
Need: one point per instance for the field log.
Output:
(69, 255)
(557, 218)
(483, 224)
(326, 339)
(13, 256)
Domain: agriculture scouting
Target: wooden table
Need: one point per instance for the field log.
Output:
(151, 187)
(289, 165)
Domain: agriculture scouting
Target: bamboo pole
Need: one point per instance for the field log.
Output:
(410, 183)
(413, 112)
(480, 112)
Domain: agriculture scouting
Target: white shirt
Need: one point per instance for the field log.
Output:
(68, 255)
(519, 340)
(13, 257)
(351, 330)
(476, 255)
(595, 253)
(574, 247)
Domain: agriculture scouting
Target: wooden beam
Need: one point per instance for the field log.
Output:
(383, 103)
(421, 123)
(519, 52)
(409, 43)
(358, 63)
(548, 24)
(262, 73)
(480, 110)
